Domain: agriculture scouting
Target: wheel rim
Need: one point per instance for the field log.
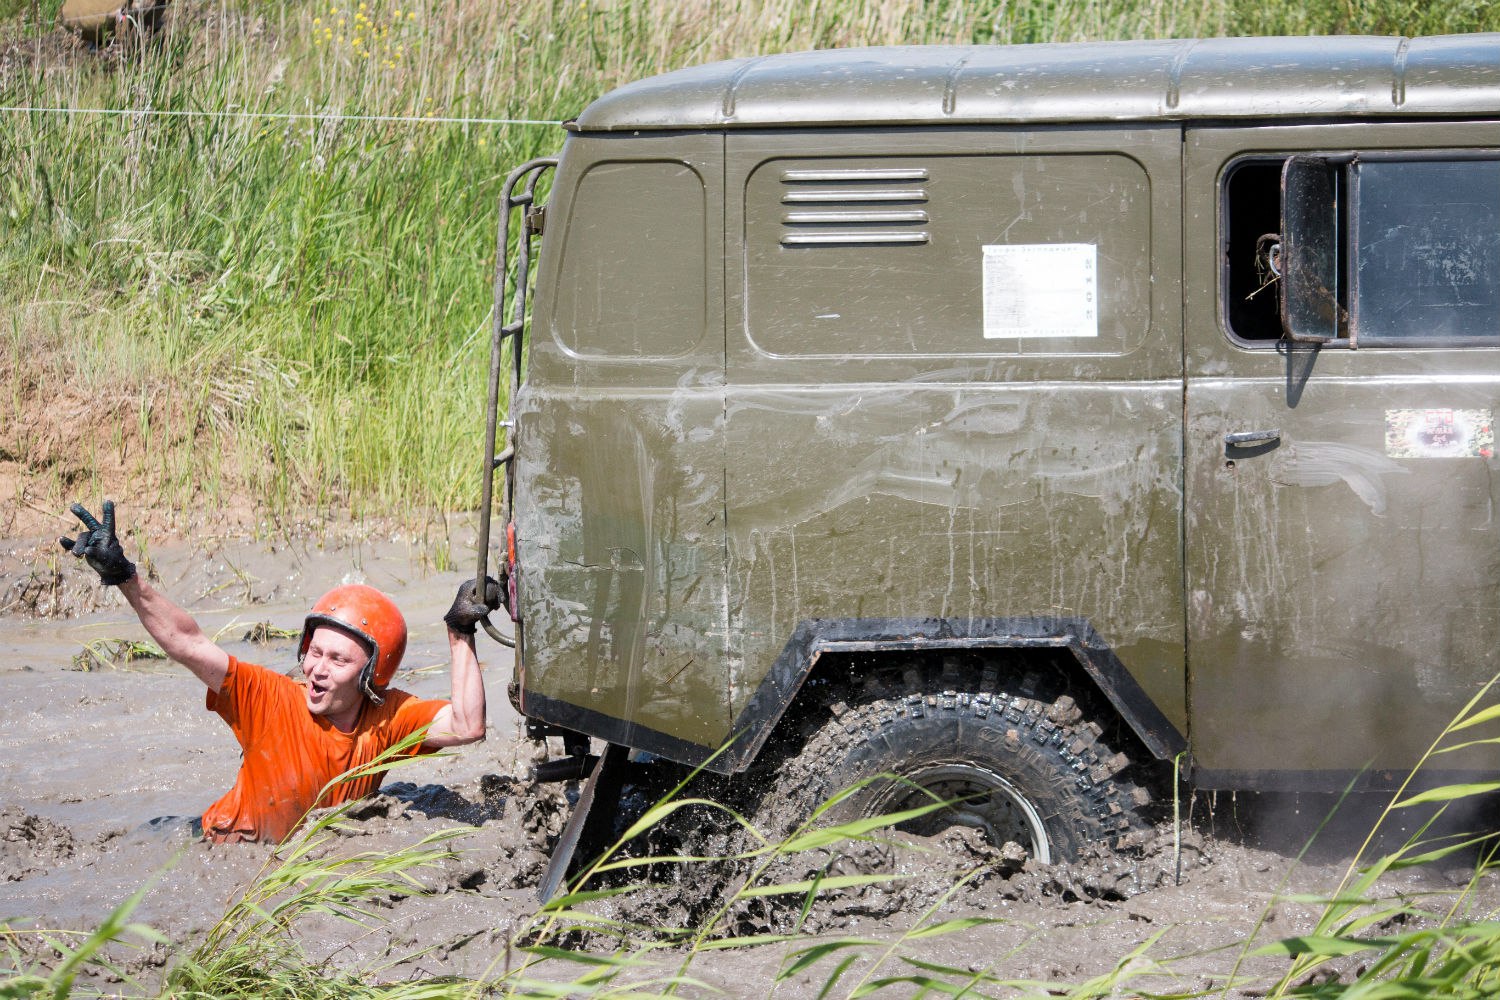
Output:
(978, 798)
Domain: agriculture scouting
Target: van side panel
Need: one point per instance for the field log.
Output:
(907, 444)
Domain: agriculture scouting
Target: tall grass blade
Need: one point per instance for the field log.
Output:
(748, 941)
(812, 885)
(854, 829)
(953, 926)
(1471, 719)
(1322, 946)
(615, 961)
(804, 958)
(1449, 793)
(831, 982)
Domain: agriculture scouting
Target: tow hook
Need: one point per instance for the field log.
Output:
(564, 768)
(576, 763)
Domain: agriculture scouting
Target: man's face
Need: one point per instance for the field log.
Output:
(331, 666)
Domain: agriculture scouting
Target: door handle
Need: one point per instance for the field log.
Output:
(1245, 439)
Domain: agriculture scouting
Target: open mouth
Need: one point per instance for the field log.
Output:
(317, 689)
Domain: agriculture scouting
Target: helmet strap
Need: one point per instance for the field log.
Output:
(365, 677)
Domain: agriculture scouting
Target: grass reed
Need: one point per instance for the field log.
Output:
(112, 654)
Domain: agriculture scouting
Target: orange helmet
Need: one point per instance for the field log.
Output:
(373, 619)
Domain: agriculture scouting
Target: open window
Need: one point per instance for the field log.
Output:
(1364, 249)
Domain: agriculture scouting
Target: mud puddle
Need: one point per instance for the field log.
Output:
(89, 756)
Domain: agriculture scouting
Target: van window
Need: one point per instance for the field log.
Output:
(948, 255)
(633, 290)
(1409, 242)
(1426, 251)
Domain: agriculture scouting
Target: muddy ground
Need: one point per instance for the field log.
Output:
(89, 753)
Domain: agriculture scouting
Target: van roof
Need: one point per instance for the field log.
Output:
(1223, 78)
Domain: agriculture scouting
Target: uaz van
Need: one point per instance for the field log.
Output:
(1010, 419)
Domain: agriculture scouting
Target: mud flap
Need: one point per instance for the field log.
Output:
(591, 822)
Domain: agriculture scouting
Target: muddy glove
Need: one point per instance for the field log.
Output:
(468, 611)
(100, 547)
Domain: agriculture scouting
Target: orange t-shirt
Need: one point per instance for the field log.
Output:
(290, 754)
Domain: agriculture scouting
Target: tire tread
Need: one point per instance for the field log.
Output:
(1044, 729)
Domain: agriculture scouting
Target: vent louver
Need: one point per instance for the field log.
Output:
(857, 206)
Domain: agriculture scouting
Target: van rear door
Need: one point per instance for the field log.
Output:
(620, 460)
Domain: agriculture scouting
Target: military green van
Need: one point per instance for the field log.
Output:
(1013, 420)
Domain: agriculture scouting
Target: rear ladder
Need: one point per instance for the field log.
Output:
(519, 195)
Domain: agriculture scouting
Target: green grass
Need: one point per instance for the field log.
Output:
(291, 311)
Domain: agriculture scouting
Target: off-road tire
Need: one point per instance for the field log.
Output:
(1019, 726)
(1018, 734)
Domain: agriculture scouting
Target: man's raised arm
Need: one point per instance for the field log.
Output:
(174, 629)
(463, 719)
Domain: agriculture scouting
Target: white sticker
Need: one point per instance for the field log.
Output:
(1041, 290)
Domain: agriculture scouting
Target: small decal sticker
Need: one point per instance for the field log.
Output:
(1439, 434)
(1041, 290)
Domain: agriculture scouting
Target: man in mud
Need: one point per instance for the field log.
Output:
(296, 738)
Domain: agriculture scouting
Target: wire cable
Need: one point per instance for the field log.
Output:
(281, 116)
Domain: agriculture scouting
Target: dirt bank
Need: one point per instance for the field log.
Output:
(89, 756)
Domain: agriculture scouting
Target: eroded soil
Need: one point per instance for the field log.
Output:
(89, 756)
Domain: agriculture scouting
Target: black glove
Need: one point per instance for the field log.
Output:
(100, 547)
(468, 611)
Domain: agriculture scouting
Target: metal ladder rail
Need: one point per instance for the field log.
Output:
(528, 174)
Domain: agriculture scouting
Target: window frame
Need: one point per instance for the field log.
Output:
(1349, 336)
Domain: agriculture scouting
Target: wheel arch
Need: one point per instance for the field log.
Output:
(833, 648)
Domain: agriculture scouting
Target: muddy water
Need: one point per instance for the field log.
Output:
(88, 757)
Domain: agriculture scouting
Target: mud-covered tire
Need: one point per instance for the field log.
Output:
(1031, 768)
